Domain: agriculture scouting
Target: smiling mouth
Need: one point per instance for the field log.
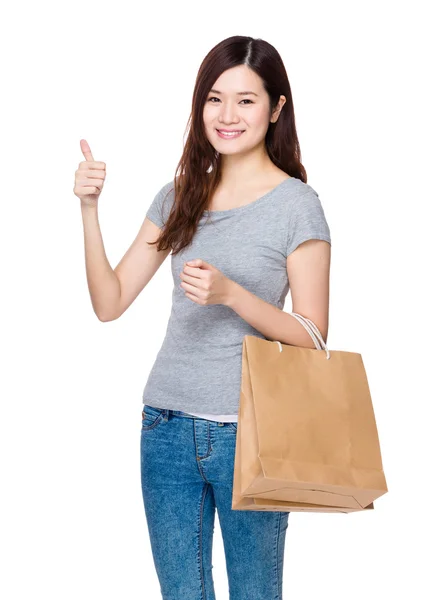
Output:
(228, 135)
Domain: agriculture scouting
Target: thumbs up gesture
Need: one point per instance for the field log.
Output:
(89, 177)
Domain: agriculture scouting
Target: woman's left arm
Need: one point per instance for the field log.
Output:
(308, 273)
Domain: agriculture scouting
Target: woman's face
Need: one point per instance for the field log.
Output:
(229, 108)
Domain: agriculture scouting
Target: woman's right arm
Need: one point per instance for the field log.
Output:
(112, 291)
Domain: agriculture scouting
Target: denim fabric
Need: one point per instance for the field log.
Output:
(187, 466)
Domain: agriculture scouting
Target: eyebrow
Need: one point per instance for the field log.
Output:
(238, 93)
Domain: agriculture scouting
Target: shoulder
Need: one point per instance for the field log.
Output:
(166, 190)
(161, 204)
(164, 197)
(302, 202)
(305, 218)
(297, 193)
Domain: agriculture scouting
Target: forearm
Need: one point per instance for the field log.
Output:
(103, 283)
(274, 323)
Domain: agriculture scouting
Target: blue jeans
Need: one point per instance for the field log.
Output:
(187, 466)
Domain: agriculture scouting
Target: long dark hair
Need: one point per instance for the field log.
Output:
(198, 172)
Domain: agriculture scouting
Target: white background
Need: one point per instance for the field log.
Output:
(365, 79)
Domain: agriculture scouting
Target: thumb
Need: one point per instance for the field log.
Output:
(86, 150)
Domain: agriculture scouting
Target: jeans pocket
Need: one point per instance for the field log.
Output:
(233, 425)
(151, 417)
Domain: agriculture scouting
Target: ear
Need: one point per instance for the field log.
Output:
(276, 112)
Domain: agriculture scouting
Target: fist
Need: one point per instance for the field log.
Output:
(204, 284)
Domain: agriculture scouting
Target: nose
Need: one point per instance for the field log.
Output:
(228, 113)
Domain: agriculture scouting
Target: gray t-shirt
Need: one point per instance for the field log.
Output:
(198, 366)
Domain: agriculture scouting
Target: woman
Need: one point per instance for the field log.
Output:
(243, 227)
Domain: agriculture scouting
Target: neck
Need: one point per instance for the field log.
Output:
(245, 166)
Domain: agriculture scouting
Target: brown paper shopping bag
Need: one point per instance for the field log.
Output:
(307, 438)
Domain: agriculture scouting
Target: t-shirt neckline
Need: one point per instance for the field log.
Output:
(250, 204)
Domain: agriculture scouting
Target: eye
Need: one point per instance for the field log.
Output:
(214, 98)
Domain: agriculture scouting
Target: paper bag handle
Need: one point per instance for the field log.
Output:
(313, 331)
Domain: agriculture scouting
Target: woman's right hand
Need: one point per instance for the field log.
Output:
(89, 177)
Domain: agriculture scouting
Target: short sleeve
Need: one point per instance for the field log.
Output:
(158, 211)
(306, 220)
